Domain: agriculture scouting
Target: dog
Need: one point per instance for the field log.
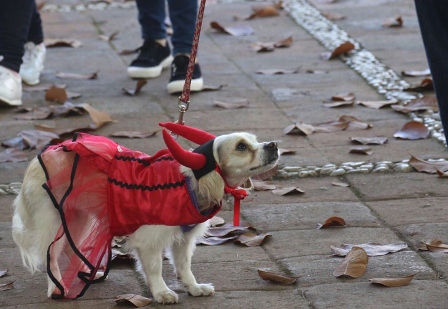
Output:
(67, 211)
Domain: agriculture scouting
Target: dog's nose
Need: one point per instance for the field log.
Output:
(271, 145)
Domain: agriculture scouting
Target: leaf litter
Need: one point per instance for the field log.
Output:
(347, 123)
(412, 130)
(428, 167)
(332, 222)
(372, 248)
(134, 299)
(342, 49)
(232, 30)
(354, 264)
(393, 282)
(276, 278)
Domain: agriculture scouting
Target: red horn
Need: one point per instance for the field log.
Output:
(192, 134)
(186, 158)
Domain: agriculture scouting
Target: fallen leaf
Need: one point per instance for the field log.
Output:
(287, 151)
(7, 286)
(3, 272)
(12, 155)
(332, 222)
(428, 167)
(76, 76)
(299, 128)
(436, 245)
(118, 255)
(419, 104)
(216, 221)
(365, 150)
(354, 123)
(37, 139)
(251, 239)
(277, 278)
(260, 11)
(340, 50)
(232, 30)
(225, 230)
(393, 282)
(133, 134)
(263, 186)
(109, 37)
(134, 299)
(34, 113)
(310, 71)
(288, 191)
(56, 94)
(425, 85)
(62, 43)
(266, 175)
(372, 249)
(339, 104)
(340, 184)
(138, 86)
(334, 16)
(376, 140)
(442, 174)
(377, 104)
(271, 46)
(394, 22)
(287, 42)
(99, 118)
(16, 142)
(41, 87)
(233, 104)
(354, 265)
(214, 241)
(416, 73)
(343, 99)
(413, 130)
(277, 71)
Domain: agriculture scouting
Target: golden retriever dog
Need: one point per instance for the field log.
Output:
(77, 195)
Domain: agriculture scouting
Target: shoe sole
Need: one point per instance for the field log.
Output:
(140, 72)
(178, 85)
(11, 102)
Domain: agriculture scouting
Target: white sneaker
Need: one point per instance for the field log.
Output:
(33, 63)
(10, 86)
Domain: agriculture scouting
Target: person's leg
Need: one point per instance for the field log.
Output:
(183, 15)
(433, 20)
(35, 33)
(155, 54)
(15, 17)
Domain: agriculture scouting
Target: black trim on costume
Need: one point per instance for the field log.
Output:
(39, 158)
(144, 162)
(210, 164)
(134, 186)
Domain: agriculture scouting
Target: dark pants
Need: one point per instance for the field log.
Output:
(19, 23)
(433, 20)
(183, 13)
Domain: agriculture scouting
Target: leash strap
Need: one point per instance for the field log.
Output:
(185, 96)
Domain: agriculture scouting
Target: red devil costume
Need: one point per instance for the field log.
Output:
(102, 190)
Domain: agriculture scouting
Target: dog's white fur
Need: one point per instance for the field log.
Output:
(36, 221)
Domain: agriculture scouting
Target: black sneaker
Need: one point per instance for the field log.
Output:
(178, 73)
(152, 58)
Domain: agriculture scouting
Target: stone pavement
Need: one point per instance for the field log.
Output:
(384, 207)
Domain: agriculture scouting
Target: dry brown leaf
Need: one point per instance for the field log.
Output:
(232, 30)
(76, 76)
(3, 272)
(288, 191)
(225, 230)
(332, 222)
(425, 85)
(416, 73)
(123, 256)
(12, 155)
(419, 104)
(134, 134)
(49, 42)
(377, 104)
(283, 151)
(251, 239)
(277, 71)
(237, 103)
(56, 94)
(277, 278)
(7, 286)
(393, 282)
(99, 118)
(428, 167)
(354, 265)
(284, 43)
(34, 113)
(413, 130)
(435, 245)
(365, 150)
(38, 139)
(109, 37)
(354, 123)
(340, 50)
(394, 22)
(339, 104)
(41, 87)
(271, 46)
(376, 140)
(15, 142)
(334, 16)
(263, 186)
(216, 221)
(372, 249)
(340, 184)
(442, 174)
(214, 241)
(138, 86)
(134, 299)
(299, 128)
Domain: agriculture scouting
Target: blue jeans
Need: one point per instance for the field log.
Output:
(433, 20)
(183, 13)
(19, 23)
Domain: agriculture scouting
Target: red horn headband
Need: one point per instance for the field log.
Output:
(192, 160)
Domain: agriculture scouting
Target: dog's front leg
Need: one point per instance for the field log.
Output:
(151, 263)
(182, 252)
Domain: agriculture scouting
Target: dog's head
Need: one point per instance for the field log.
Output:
(228, 159)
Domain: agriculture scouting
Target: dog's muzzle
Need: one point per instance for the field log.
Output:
(271, 152)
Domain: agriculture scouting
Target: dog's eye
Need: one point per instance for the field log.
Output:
(241, 147)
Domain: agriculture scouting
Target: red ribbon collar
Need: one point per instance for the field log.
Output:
(238, 195)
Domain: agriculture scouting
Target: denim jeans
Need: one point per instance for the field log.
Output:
(19, 23)
(433, 20)
(151, 15)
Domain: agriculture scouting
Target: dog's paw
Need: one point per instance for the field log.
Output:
(166, 297)
(201, 290)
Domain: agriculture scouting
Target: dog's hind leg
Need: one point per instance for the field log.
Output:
(182, 252)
